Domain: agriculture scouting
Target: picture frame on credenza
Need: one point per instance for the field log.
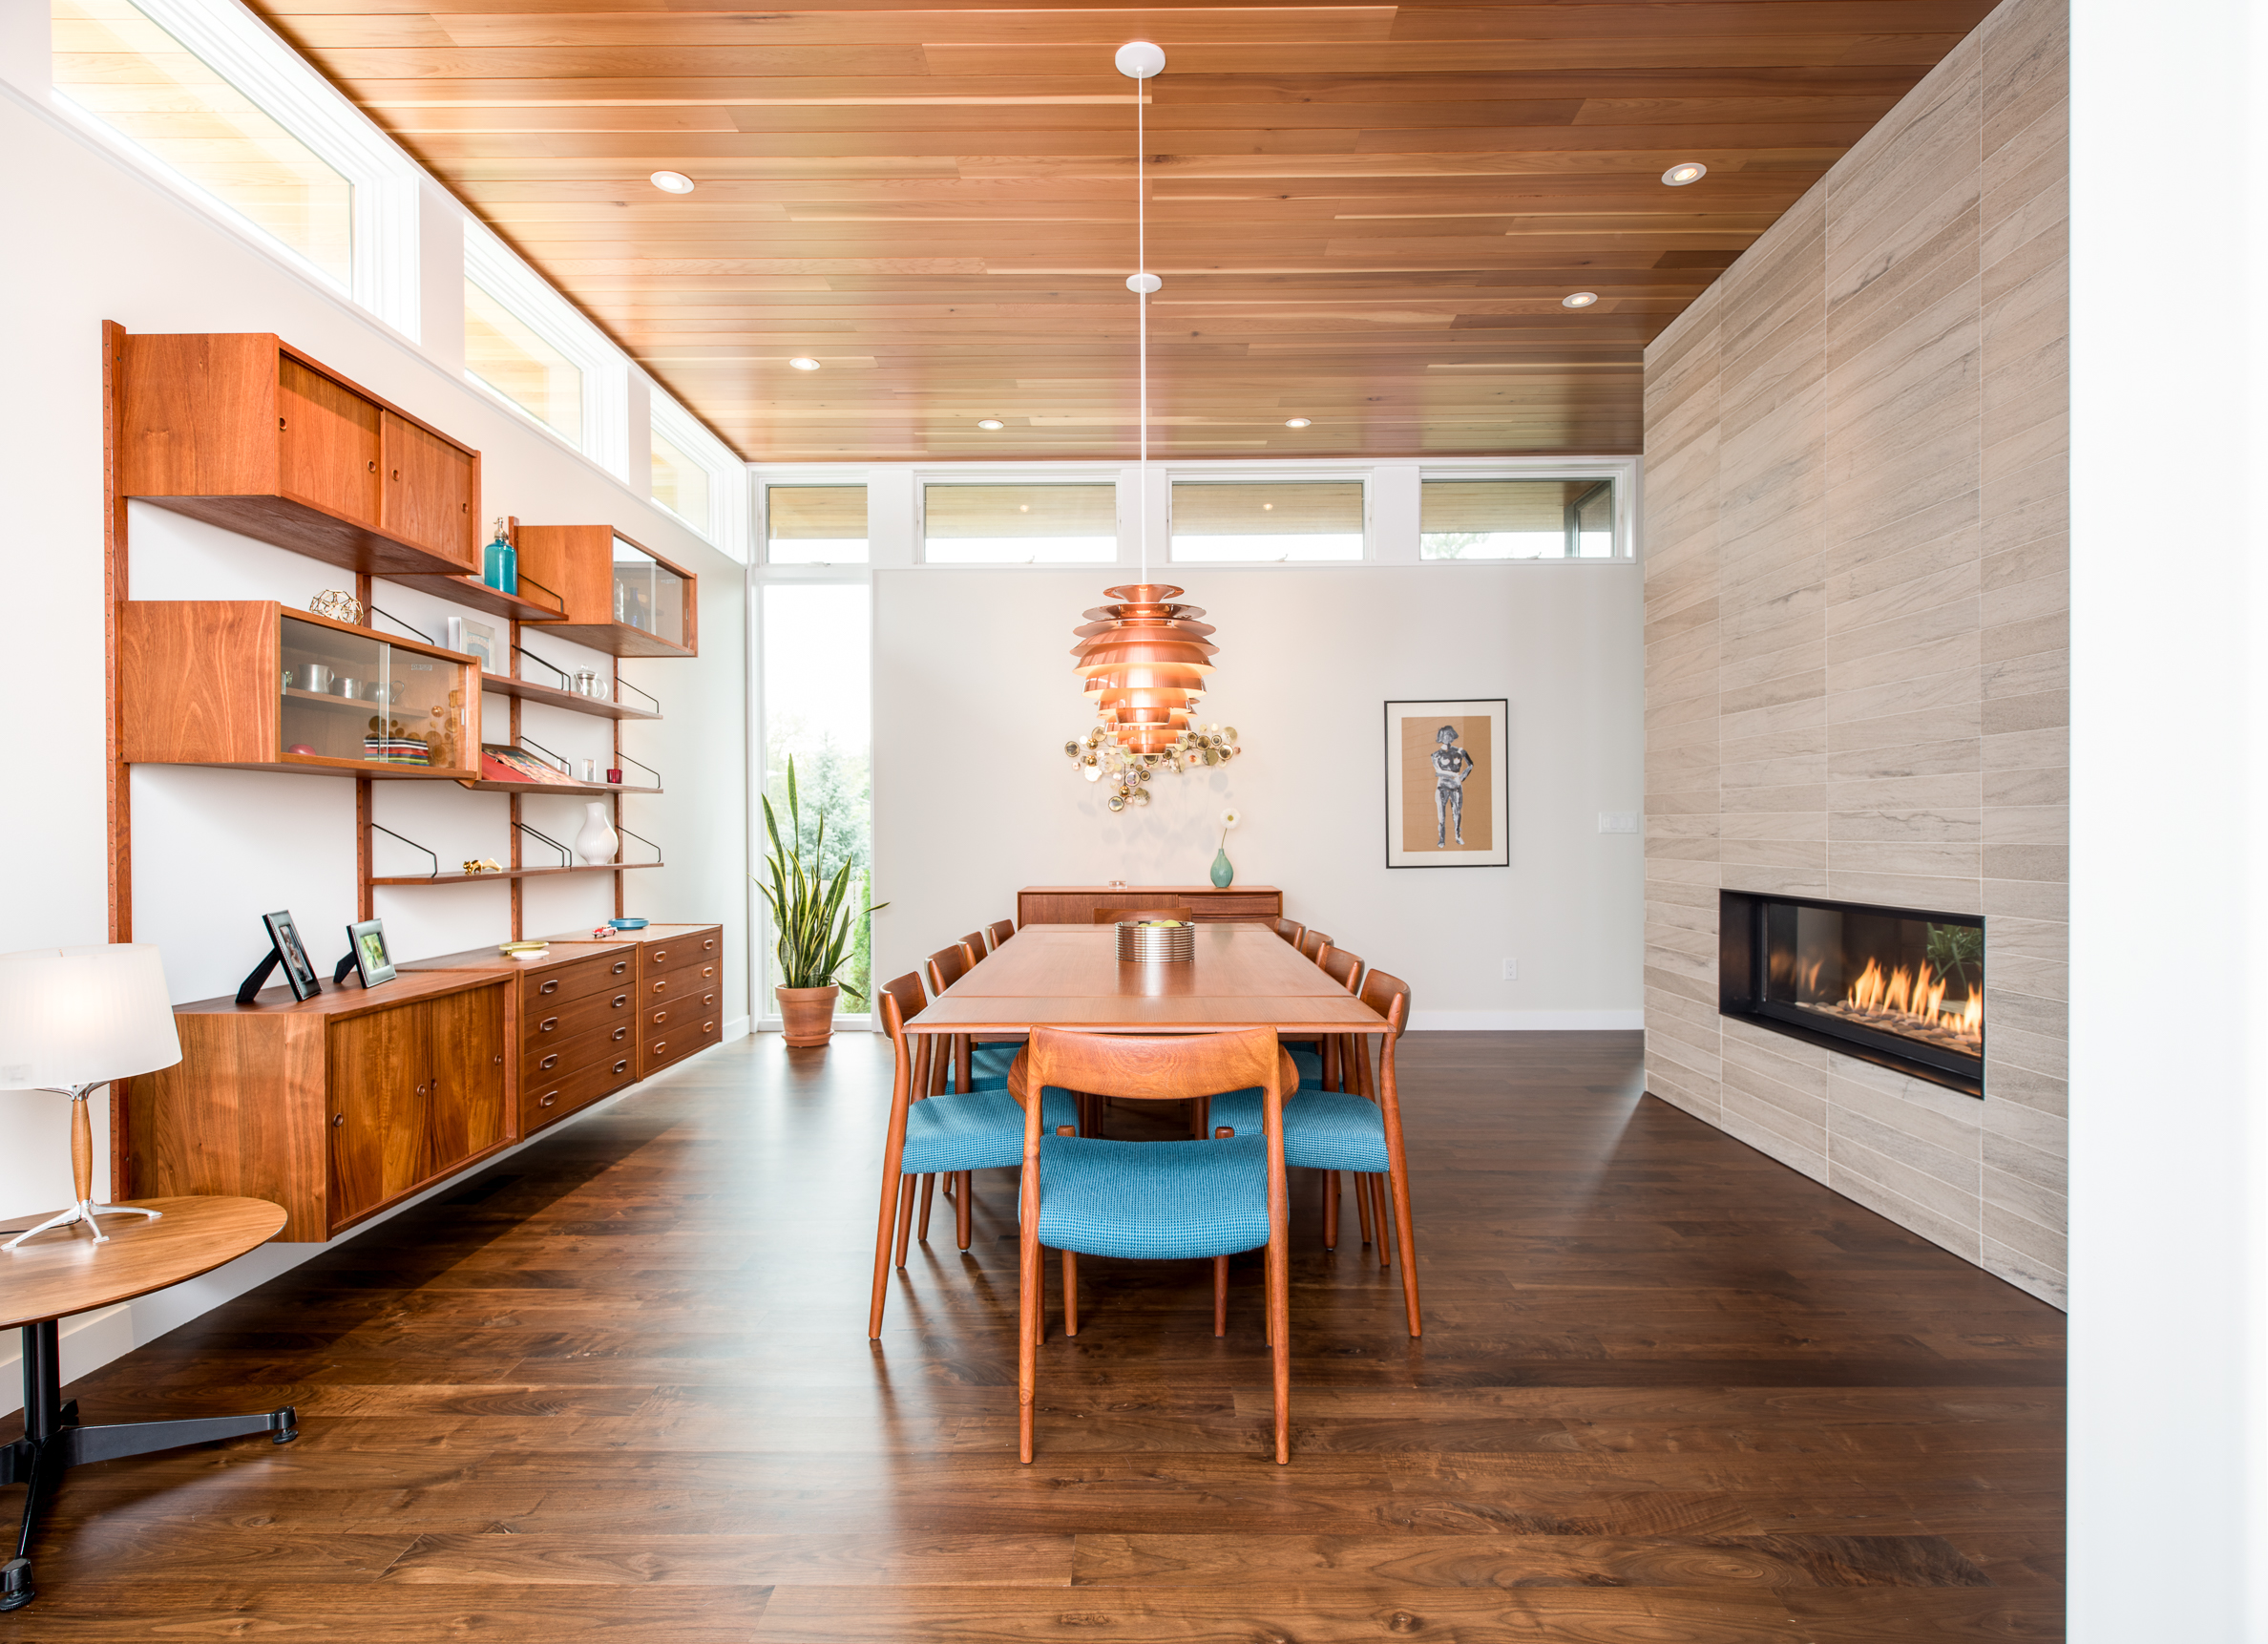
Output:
(367, 952)
(284, 940)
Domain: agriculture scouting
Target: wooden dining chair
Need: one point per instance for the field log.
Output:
(1153, 1201)
(1356, 1131)
(1346, 969)
(1314, 945)
(979, 948)
(934, 1132)
(1000, 930)
(975, 1059)
(1290, 930)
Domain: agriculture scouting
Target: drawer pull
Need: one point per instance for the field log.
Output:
(338, 1119)
(620, 966)
(548, 1063)
(710, 943)
(622, 1033)
(619, 1001)
(708, 970)
(661, 985)
(551, 986)
(547, 1100)
(660, 1046)
(622, 1067)
(547, 1025)
(661, 1017)
(708, 1027)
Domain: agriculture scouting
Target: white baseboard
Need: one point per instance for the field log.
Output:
(1524, 1021)
(737, 1028)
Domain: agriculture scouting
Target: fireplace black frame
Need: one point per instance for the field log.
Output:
(1741, 949)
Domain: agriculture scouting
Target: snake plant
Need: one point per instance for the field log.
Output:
(817, 931)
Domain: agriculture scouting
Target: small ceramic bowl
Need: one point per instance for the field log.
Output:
(629, 924)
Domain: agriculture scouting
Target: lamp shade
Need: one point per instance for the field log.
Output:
(83, 1016)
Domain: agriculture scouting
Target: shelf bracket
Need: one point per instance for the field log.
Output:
(566, 856)
(397, 621)
(558, 600)
(565, 765)
(435, 871)
(620, 683)
(566, 680)
(641, 765)
(643, 840)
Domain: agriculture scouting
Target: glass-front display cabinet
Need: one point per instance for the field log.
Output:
(251, 685)
(621, 598)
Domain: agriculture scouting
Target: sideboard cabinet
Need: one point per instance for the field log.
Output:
(1098, 904)
(245, 432)
(334, 1107)
(247, 684)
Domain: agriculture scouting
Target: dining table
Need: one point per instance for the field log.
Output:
(1242, 976)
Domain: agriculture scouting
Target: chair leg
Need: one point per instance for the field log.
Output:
(928, 1188)
(905, 1227)
(1279, 1338)
(964, 1207)
(1398, 1187)
(1377, 1187)
(1331, 1209)
(1070, 1293)
(1362, 1206)
(884, 1227)
(1220, 1295)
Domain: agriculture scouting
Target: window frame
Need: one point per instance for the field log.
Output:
(1115, 475)
(386, 277)
(1362, 474)
(1624, 472)
(493, 267)
(727, 473)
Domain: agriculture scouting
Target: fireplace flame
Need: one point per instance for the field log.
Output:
(1917, 994)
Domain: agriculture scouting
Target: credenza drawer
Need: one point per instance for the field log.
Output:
(544, 990)
(542, 1064)
(543, 1104)
(693, 1030)
(672, 984)
(675, 953)
(546, 1024)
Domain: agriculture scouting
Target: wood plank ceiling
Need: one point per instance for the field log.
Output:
(1365, 214)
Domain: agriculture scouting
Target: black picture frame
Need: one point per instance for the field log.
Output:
(286, 949)
(367, 953)
(1490, 765)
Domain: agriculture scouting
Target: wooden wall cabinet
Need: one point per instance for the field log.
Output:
(247, 432)
(334, 1107)
(245, 682)
(1080, 904)
(620, 597)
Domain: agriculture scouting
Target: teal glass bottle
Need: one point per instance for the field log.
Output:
(499, 562)
(1223, 873)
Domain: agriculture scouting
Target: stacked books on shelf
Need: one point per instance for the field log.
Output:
(518, 765)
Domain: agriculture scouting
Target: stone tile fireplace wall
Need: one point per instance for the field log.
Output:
(1856, 665)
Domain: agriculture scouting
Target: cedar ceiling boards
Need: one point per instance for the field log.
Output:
(1364, 215)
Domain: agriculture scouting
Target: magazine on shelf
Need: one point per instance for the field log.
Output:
(518, 765)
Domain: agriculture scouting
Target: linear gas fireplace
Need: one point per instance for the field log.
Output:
(1896, 986)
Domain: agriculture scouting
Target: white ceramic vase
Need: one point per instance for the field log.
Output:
(598, 841)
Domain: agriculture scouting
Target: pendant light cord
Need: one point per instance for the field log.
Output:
(1142, 267)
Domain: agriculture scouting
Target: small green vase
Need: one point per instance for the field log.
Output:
(1222, 872)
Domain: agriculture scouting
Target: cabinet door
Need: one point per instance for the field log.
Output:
(429, 490)
(467, 1062)
(374, 1061)
(326, 439)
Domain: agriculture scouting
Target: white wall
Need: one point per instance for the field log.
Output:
(974, 697)
(92, 240)
(2169, 1452)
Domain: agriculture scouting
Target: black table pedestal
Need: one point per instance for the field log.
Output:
(53, 1439)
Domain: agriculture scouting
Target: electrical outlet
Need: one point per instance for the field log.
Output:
(1511, 969)
(1618, 821)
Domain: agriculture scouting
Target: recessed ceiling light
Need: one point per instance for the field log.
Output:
(1684, 172)
(1578, 299)
(991, 424)
(1298, 422)
(673, 182)
(803, 363)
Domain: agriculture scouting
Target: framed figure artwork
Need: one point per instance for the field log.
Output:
(1448, 785)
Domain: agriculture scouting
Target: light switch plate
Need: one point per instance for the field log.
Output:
(1511, 969)
(1618, 821)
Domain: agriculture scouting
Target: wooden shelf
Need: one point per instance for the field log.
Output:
(551, 696)
(506, 874)
(495, 601)
(566, 790)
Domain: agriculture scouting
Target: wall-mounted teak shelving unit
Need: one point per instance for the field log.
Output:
(249, 433)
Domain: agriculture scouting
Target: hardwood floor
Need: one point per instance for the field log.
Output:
(617, 1387)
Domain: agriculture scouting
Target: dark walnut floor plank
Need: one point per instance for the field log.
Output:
(1669, 1391)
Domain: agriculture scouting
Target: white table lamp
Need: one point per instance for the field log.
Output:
(75, 1018)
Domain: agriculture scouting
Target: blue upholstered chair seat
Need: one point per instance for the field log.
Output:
(980, 1130)
(1310, 1064)
(1323, 1129)
(992, 1060)
(1153, 1201)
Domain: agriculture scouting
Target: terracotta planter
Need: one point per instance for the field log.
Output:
(806, 1015)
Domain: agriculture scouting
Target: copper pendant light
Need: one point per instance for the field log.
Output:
(1145, 658)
